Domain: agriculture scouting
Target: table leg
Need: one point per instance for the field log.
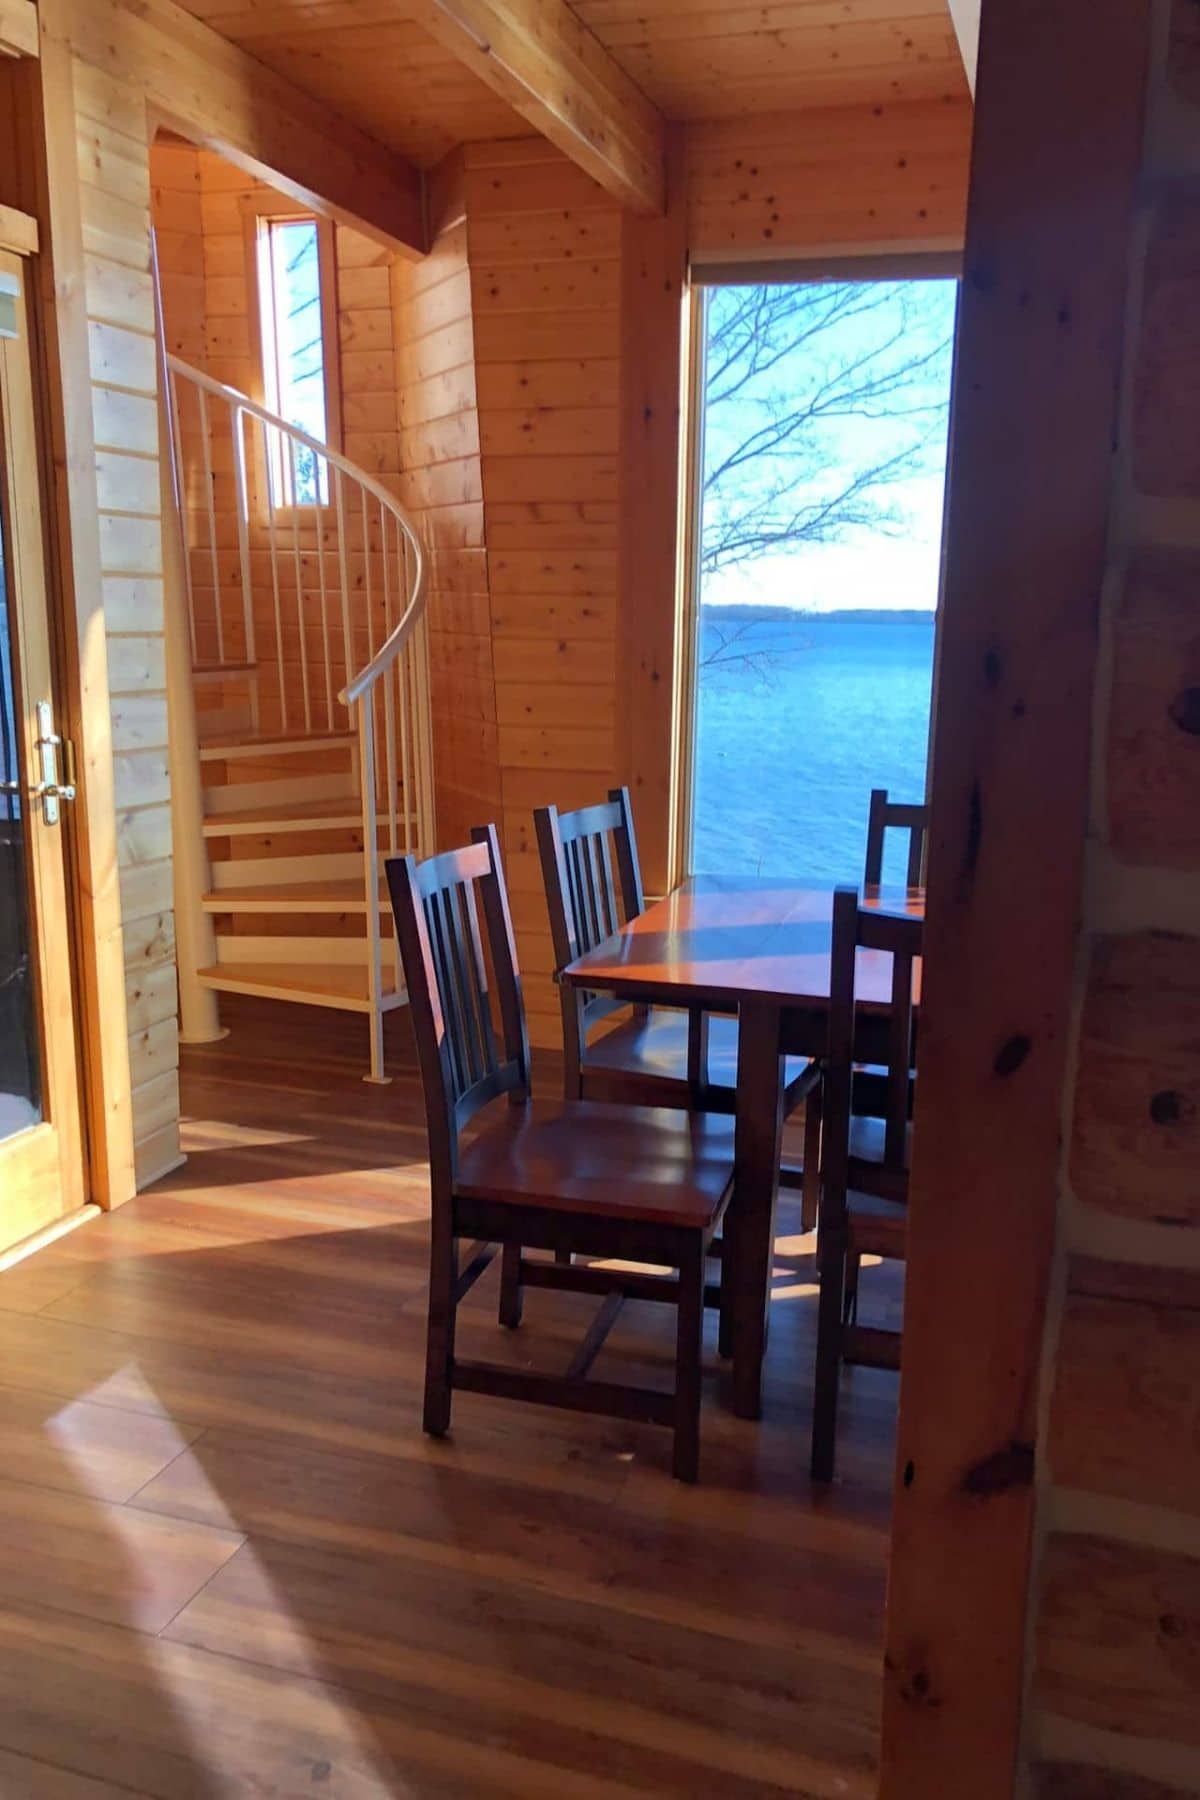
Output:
(757, 1143)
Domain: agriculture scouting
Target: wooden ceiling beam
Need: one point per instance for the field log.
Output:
(18, 28)
(537, 55)
(216, 95)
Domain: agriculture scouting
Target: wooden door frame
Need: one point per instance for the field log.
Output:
(44, 1165)
(48, 189)
(1055, 162)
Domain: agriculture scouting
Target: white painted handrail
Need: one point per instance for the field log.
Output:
(338, 588)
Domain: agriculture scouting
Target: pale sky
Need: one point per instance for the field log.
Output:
(864, 569)
(894, 565)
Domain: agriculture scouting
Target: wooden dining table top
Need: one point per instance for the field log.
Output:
(722, 939)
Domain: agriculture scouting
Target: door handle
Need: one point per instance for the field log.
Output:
(49, 790)
(40, 790)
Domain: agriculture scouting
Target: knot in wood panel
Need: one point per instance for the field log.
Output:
(1004, 1469)
(1169, 1107)
(1184, 711)
(1011, 1054)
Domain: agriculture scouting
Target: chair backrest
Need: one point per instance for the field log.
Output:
(892, 815)
(590, 873)
(899, 936)
(465, 1061)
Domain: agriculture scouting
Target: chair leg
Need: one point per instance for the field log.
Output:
(829, 1358)
(689, 1350)
(811, 1187)
(725, 1316)
(439, 1343)
(850, 1296)
(512, 1293)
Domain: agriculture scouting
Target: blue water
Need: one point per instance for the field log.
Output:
(792, 735)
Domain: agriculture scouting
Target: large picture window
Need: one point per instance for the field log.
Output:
(818, 515)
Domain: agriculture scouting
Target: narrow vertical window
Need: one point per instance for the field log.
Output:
(295, 375)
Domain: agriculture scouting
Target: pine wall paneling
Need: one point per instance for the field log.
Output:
(545, 256)
(115, 211)
(441, 484)
(837, 179)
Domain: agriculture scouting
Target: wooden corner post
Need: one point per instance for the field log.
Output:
(1057, 143)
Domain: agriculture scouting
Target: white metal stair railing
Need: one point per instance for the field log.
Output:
(306, 589)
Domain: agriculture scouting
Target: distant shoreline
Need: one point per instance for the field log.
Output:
(850, 615)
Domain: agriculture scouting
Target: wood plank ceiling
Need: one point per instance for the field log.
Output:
(694, 59)
(712, 59)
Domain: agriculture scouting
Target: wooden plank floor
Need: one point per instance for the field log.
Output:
(231, 1565)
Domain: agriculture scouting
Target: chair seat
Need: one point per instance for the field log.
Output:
(876, 1227)
(654, 1045)
(649, 1165)
(877, 1222)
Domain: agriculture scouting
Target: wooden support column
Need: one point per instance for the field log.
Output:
(1058, 130)
(18, 28)
(653, 278)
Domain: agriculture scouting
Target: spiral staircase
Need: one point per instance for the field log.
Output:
(303, 723)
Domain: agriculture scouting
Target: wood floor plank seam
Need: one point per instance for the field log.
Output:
(164, 1630)
(63, 1768)
(183, 1450)
(510, 1571)
(777, 1767)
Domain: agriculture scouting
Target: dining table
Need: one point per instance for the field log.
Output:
(758, 948)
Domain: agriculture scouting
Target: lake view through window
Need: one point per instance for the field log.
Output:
(824, 451)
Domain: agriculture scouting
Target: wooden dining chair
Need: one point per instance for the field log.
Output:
(653, 1055)
(886, 815)
(864, 1160)
(629, 1184)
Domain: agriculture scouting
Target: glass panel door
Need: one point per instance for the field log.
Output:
(41, 1153)
(20, 1061)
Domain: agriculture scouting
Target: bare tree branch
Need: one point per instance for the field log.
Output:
(789, 369)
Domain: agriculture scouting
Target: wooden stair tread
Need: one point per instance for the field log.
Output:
(209, 670)
(291, 815)
(341, 985)
(248, 743)
(295, 896)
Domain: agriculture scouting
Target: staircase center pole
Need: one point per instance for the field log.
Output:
(195, 939)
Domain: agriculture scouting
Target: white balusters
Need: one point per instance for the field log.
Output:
(326, 659)
(211, 508)
(391, 733)
(299, 571)
(366, 743)
(237, 444)
(273, 546)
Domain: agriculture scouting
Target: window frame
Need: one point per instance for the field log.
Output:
(260, 212)
(703, 275)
